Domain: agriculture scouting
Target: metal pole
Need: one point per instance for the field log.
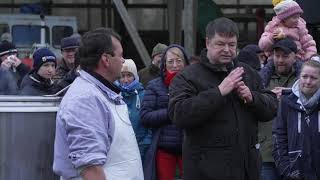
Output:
(43, 31)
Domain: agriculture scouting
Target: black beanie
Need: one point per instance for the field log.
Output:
(7, 47)
(250, 57)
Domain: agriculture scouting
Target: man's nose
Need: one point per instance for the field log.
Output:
(226, 47)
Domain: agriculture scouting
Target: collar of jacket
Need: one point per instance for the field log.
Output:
(215, 67)
(292, 100)
(40, 81)
(65, 66)
(105, 90)
(153, 69)
(105, 82)
(278, 76)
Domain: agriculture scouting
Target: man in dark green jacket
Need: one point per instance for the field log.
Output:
(280, 73)
(218, 103)
(152, 71)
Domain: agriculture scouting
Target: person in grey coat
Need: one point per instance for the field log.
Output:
(8, 85)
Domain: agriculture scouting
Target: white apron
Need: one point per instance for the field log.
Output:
(123, 159)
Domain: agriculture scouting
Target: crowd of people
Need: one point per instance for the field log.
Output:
(46, 76)
(225, 115)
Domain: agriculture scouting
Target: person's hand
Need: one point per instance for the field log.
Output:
(278, 34)
(15, 61)
(6, 64)
(278, 91)
(231, 81)
(244, 92)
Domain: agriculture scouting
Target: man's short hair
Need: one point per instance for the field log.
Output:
(223, 26)
(93, 44)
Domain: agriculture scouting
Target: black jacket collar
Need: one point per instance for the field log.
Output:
(104, 81)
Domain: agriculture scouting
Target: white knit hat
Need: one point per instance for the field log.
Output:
(130, 66)
(287, 8)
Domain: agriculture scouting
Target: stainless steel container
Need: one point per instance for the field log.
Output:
(27, 130)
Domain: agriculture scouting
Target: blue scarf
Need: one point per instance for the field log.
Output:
(128, 87)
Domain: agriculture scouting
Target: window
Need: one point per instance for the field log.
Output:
(27, 35)
(59, 32)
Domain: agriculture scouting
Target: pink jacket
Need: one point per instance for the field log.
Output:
(305, 43)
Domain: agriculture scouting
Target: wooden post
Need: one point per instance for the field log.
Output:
(190, 26)
(175, 20)
(103, 13)
(133, 32)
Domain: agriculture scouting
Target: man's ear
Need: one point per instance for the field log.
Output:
(105, 59)
(207, 42)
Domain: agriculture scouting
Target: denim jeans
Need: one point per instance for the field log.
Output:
(269, 171)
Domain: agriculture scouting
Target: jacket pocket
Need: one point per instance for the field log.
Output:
(215, 163)
(296, 161)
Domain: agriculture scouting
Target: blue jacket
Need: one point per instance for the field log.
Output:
(154, 115)
(133, 99)
(297, 142)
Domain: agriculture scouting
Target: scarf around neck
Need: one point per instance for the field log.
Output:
(168, 77)
(308, 104)
(128, 87)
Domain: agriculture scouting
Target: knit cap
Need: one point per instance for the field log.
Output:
(287, 8)
(130, 66)
(42, 56)
(158, 49)
(275, 2)
(7, 47)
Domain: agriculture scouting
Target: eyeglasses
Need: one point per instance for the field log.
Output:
(178, 61)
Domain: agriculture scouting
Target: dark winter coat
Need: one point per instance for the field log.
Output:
(220, 131)
(154, 114)
(8, 85)
(148, 73)
(20, 72)
(297, 143)
(34, 85)
(62, 70)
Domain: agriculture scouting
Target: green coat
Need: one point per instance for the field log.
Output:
(147, 74)
(265, 128)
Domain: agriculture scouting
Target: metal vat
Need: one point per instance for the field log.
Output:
(27, 130)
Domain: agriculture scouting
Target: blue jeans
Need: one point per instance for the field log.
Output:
(269, 171)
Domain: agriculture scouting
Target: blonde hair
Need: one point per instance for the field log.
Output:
(176, 51)
(312, 63)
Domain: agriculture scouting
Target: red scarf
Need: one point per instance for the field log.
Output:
(168, 77)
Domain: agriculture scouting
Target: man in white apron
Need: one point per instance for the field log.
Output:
(94, 137)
